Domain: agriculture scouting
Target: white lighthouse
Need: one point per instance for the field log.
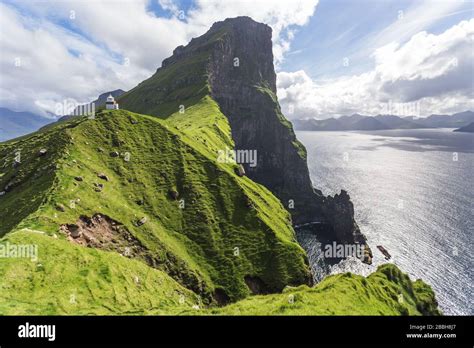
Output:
(111, 104)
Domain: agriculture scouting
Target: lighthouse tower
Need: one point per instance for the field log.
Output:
(111, 104)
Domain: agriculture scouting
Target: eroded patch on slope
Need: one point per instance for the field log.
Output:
(102, 232)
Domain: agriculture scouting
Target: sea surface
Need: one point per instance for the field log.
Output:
(413, 193)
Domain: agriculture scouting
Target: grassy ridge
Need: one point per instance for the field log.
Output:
(218, 230)
(385, 292)
(69, 279)
(193, 247)
(177, 83)
(213, 241)
(38, 171)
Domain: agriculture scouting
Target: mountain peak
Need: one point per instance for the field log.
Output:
(245, 46)
(240, 23)
(232, 64)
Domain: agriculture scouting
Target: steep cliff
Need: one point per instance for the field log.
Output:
(233, 63)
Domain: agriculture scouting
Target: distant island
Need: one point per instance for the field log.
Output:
(468, 128)
(461, 120)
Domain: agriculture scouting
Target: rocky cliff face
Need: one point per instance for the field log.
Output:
(242, 80)
(233, 63)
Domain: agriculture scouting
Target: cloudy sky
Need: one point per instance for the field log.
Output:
(333, 57)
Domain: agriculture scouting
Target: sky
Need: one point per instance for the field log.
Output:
(332, 57)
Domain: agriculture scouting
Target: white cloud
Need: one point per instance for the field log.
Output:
(121, 43)
(42, 64)
(279, 14)
(434, 71)
(420, 15)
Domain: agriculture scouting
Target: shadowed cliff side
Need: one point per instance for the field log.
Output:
(233, 63)
(243, 82)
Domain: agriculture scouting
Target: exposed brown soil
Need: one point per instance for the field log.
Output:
(102, 232)
(105, 233)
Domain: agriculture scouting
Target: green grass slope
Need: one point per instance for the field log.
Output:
(66, 279)
(221, 229)
(176, 84)
(34, 173)
(193, 250)
(385, 292)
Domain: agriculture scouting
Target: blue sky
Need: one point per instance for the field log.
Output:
(341, 28)
(332, 56)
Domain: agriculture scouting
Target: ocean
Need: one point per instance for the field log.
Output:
(413, 193)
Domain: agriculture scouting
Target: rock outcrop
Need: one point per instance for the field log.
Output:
(233, 63)
(242, 80)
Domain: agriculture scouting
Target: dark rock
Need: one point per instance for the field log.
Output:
(256, 285)
(248, 202)
(60, 207)
(140, 202)
(174, 194)
(103, 176)
(100, 149)
(240, 171)
(98, 187)
(9, 186)
(248, 99)
(74, 230)
(142, 221)
(367, 255)
(79, 178)
(221, 297)
(114, 154)
(384, 252)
